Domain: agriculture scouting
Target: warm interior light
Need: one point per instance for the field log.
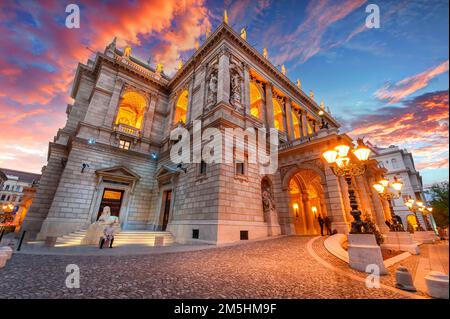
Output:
(314, 209)
(378, 187)
(342, 150)
(295, 206)
(408, 204)
(430, 209)
(410, 200)
(320, 112)
(419, 203)
(362, 153)
(384, 182)
(330, 156)
(342, 161)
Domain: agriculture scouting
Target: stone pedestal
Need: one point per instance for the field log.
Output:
(400, 241)
(364, 251)
(437, 284)
(424, 237)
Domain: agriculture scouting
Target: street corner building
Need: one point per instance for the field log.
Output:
(115, 151)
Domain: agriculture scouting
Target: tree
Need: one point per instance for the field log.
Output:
(439, 201)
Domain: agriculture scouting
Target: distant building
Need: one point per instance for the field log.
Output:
(399, 162)
(15, 186)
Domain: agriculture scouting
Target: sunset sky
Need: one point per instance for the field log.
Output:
(388, 84)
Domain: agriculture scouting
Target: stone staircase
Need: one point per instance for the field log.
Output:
(124, 238)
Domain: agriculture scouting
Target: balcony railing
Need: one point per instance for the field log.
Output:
(127, 130)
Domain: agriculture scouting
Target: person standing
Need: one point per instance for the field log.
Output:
(321, 222)
(108, 235)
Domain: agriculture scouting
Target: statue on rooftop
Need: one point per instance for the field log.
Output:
(127, 51)
(311, 94)
(265, 53)
(283, 69)
(159, 68)
(299, 84)
(244, 34)
(225, 16)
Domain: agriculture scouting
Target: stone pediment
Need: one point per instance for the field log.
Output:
(118, 172)
(165, 170)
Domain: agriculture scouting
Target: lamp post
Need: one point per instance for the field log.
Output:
(414, 207)
(383, 190)
(342, 165)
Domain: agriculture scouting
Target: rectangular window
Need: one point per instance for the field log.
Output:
(195, 233)
(3, 197)
(124, 144)
(202, 167)
(240, 170)
(244, 235)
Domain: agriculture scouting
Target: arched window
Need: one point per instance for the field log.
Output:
(296, 125)
(277, 115)
(255, 101)
(131, 110)
(181, 108)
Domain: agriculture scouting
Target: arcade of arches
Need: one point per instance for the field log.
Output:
(307, 202)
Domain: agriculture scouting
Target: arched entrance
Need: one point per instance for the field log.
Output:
(306, 201)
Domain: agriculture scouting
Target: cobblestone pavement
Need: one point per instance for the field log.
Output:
(278, 268)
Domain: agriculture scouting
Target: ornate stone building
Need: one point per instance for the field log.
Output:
(114, 150)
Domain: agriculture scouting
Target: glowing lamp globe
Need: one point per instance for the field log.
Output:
(397, 185)
(342, 150)
(420, 204)
(330, 156)
(378, 187)
(362, 153)
(342, 161)
(384, 182)
(320, 112)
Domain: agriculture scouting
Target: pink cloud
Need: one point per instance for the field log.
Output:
(393, 93)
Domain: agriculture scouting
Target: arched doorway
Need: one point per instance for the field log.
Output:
(306, 202)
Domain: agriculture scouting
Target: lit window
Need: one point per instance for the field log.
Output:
(124, 144)
(131, 110)
(277, 115)
(255, 101)
(181, 108)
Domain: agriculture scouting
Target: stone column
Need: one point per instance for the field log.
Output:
(335, 205)
(290, 122)
(246, 89)
(379, 212)
(113, 104)
(304, 121)
(223, 77)
(269, 105)
(150, 114)
(284, 115)
(189, 106)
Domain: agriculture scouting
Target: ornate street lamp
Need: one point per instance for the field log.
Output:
(414, 207)
(383, 190)
(342, 165)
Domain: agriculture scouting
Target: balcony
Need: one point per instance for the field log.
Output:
(127, 130)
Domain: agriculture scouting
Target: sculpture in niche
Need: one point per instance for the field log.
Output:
(212, 89)
(235, 92)
(268, 202)
(95, 230)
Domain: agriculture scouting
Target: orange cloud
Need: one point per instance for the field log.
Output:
(393, 93)
(420, 125)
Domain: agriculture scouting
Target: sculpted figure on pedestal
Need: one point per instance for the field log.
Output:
(95, 230)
